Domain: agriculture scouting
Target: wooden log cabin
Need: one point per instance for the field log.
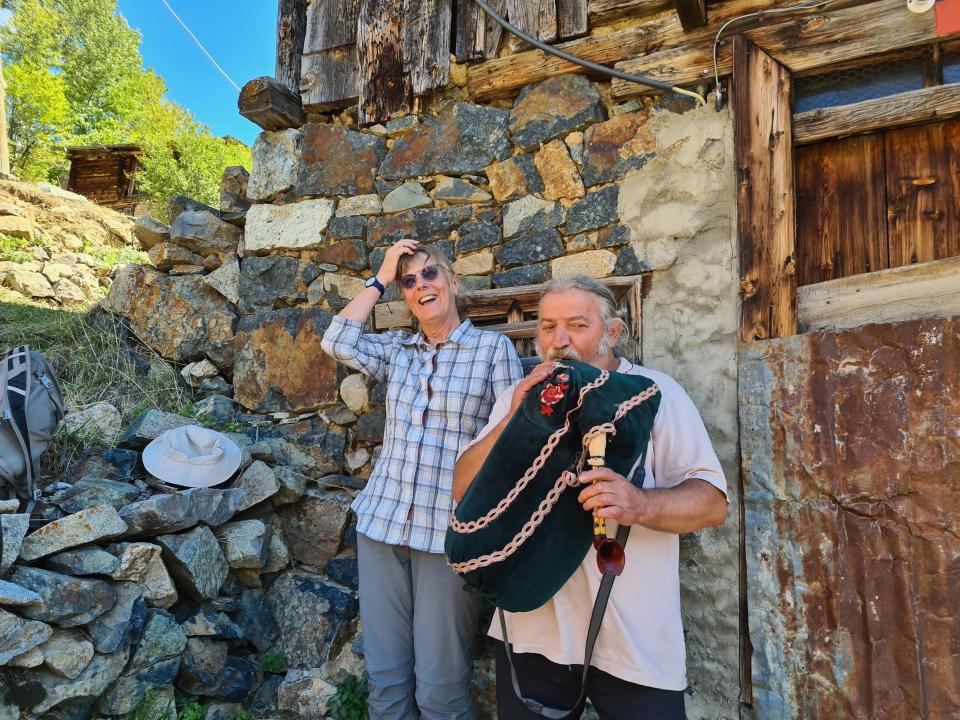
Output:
(105, 174)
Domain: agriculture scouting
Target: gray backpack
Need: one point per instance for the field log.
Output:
(31, 406)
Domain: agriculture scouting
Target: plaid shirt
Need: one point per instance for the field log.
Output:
(438, 399)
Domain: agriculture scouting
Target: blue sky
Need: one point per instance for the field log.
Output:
(239, 34)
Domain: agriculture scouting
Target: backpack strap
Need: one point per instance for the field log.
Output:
(15, 378)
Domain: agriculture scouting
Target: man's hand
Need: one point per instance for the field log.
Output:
(614, 497)
(692, 505)
(540, 373)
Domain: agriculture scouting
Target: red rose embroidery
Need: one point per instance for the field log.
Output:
(551, 395)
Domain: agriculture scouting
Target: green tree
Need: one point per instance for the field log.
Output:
(75, 76)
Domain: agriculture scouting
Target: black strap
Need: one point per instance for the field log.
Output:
(596, 618)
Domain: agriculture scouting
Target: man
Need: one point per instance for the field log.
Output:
(638, 666)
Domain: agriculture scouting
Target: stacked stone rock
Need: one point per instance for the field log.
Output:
(53, 266)
(130, 591)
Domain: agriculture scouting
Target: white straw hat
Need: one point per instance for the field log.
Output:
(192, 456)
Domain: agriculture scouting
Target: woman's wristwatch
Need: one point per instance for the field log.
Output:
(373, 282)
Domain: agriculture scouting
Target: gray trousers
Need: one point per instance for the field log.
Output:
(418, 631)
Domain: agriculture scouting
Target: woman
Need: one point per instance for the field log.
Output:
(418, 621)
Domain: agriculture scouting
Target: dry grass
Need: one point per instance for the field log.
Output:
(94, 362)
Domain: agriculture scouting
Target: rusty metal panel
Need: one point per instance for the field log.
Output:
(851, 470)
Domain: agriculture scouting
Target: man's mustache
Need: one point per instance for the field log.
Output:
(564, 353)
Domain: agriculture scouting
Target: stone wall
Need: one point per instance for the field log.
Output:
(558, 181)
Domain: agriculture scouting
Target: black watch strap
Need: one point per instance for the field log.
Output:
(373, 282)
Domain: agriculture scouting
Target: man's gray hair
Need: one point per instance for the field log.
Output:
(608, 304)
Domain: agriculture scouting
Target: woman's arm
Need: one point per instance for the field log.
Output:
(362, 305)
(345, 340)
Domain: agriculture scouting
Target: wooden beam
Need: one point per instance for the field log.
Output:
(265, 102)
(491, 304)
(571, 18)
(505, 76)
(692, 14)
(909, 108)
(426, 44)
(291, 27)
(803, 44)
(384, 86)
(765, 205)
(930, 289)
(603, 12)
(331, 78)
(330, 24)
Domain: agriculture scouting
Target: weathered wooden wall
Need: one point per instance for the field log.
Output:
(877, 201)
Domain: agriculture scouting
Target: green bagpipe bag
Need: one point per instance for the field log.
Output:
(519, 532)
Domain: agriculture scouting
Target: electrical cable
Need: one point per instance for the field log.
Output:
(200, 45)
(810, 5)
(596, 67)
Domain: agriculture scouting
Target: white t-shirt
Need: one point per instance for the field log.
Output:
(641, 638)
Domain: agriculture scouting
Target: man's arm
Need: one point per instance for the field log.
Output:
(470, 462)
(692, 505)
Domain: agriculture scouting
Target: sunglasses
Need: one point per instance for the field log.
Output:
(429, 273)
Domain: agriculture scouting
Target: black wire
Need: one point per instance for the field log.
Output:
(639, 79)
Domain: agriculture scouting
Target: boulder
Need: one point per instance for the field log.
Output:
(280, 365)
(29, 283)
(245, 543)
(114, 629)
(233, 189)
(314, 616)
(167, 513)
(338, 161)
(169, 256)
(88, 494)
(226, 279)
(305, 693)
(149, 425)
(463, 139)
(194, 318)
(255, 618)
(196, 562)
(67, 653)
(409, 195)
(258, 483)
(101, 419)
(86, 526)
(13, 528)
(614, 148)
(150, 232)
(553, 108)
(15, 596)
(76, 695)
(83, 561)
(19, 636)
(67, 601)
(274, 282)
(299, 226)
(275, 159)
(314, 526)
(205, 233)
(206, 623)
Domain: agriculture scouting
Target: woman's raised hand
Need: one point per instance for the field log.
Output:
(391, 261)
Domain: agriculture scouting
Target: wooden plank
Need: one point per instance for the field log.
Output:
(426, 43)
(547, 20)
(490, 304)
(571, 18)
(603, 12)
(922, 220)
(841, 209)
(930, 289)
(534, 17)
(765, 211)
(267, 103)
(384, 86)
(692, 14)
(493, 33)
(330, 24)
(909, 108)
(468, 31)
(291, 28)
(330, 78)
(505, 76)
(802, 44)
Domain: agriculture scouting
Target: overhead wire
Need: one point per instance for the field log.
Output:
(809, 5)
(588, 64)
(200, 45)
